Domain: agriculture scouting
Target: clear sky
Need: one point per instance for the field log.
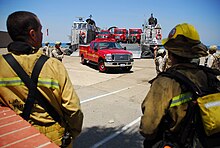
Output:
(58, 15)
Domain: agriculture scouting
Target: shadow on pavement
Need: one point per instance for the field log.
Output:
(110, 70)
(91, 136)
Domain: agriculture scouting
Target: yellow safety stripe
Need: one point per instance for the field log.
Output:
(16, 81)
(83, 50)
(50, 83)
(89, 54)
(182, 98)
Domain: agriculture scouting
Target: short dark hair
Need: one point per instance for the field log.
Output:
(20, 23)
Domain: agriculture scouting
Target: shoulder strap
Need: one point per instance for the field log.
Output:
(182, 79)
(31, 84)
(34, 76)
(210, 70)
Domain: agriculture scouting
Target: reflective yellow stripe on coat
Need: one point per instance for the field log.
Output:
(16, 81)
(182, 98)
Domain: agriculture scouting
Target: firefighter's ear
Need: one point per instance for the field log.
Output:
(32, 33)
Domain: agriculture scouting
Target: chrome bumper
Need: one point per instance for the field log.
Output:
(118, 64)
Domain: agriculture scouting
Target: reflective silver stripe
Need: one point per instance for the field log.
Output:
(50, 83)
(11, 81)
(16, 81)
(212, 104)
(182, 98)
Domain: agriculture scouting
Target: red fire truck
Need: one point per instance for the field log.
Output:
(121, 35)
(104, 34)
(106, 53)
(134, 35)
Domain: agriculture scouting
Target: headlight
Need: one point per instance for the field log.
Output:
(108, 57)
(131, 56)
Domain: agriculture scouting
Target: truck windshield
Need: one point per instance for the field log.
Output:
(118, 32)
(80, 26)
(134, 32)
(109, 45)
(104, 32)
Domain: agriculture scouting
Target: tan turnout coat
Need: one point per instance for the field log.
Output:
(54, 83)
(162, 90)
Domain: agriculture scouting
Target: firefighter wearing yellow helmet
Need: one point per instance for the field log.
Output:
(210, 59)
(56, 52)
(183, 44)
(46, 49)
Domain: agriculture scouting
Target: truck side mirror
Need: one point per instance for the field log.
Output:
(125, 48)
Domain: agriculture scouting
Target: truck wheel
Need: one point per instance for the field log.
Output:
(83, 61)
(126, 69)
(101, 66)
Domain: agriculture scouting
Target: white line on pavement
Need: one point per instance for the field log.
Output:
(114, 92)
(116, 133)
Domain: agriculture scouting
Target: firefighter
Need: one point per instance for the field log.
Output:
(47, 50)
(152, 21)
(211, 57)
(161, 60)
(155, 51)
(183, 44)
(57, 52)
(25, 30)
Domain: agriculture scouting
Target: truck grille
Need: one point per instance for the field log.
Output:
(120, 57)
(117, 37)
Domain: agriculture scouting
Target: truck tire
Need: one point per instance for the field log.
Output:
(83, 60)
(101, 66)
(126, 69)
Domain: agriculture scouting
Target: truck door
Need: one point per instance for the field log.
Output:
(92, 52)
(96, 52)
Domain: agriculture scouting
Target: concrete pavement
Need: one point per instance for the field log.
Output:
(111, 102)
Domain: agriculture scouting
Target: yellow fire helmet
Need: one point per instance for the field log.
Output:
(161, 51)
(184, 29)
(46, 43)
(183, 40)
(58, 43)
(213, 48)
